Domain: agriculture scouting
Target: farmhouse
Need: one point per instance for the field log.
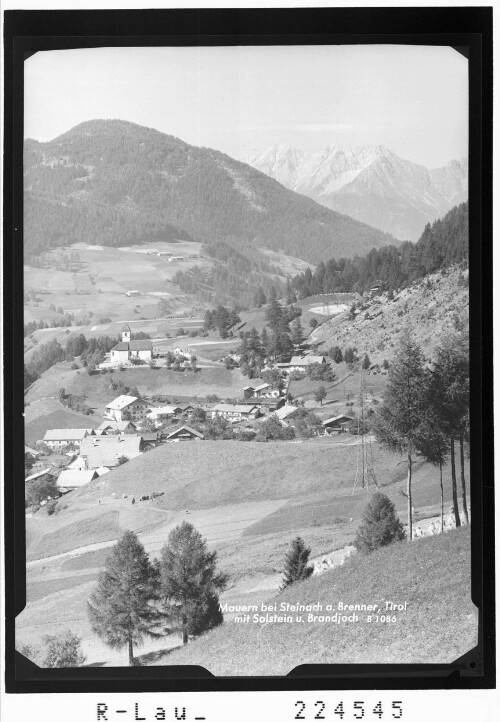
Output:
(124, 408)
(235, 412)
(266, 405)
(185, 433)
(164, 253)
(107, 450)
(116, 427)
(337, 423)
(285, 411)
(163, 413)
(262, 390)
(128, 349)
(70, 479)
(132, 293)
(60, 438)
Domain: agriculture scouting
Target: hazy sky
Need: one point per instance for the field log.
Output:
(412, 99)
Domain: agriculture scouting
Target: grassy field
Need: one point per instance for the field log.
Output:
(432, 576)
(97, 390)
(249, 500)
(104, 275)
(49, 413)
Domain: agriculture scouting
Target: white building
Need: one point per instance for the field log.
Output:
(60, 438)
(126, 407)
(128, 349)
(235, 412)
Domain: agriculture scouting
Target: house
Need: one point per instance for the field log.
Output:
(337, 423)
(108, 450)
(62, 438)
(163, 413)
(185, 433)
(30, 455)
(267, 405)
(302, 362)
(132, 293)
(149, 438)
(116, 427)
(125, 408)
(128, 349)
(178, 351)
(39, 474)
(262, 390)
(285, 411)
(78, 463)
(164, 253)
(187, 409)
(176, 258)
(70, 479)
(235, 412)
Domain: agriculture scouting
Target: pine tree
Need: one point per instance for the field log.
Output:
(297, 332)
(190, 582)
(399, 421)
(296, 567)
(366, 362)
(122, 609)
(380, 525)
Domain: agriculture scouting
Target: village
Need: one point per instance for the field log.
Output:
(131, 426)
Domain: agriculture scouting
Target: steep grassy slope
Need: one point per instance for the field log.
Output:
(120, 183)
(432, 576)
(430, 308)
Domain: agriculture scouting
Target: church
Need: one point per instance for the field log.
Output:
(128, 349)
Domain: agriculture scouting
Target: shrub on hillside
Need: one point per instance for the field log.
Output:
(380, 525)
(63, 650)
(296, 567)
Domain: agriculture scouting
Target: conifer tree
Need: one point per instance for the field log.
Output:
(297, 332)
(190, 582)
(380, 525)
(296, 563)
(122, 609)
(399, 421)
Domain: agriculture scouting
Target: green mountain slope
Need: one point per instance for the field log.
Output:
(111, 182)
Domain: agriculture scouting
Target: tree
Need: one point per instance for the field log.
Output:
(450, 393)
(313, 323)
(432, 442)
(64, 650)
(297, 332)
(380, 525)
(398, 424)
(122, 609)
(296, 567)
(190, 582)
(272, 430)
(45, 487)
(335, 354)
(320, 395)
(366, 362)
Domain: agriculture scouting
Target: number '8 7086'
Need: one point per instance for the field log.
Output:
(343, 711)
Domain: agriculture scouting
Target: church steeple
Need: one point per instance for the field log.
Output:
(126, 334)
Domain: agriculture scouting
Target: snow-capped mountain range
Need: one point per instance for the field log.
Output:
(369, 183)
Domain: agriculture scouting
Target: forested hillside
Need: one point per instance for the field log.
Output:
(442, 244)
(115, 183)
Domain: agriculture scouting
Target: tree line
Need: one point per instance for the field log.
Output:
(442, 244)
(425, 412)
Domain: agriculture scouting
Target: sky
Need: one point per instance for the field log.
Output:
(241, 100)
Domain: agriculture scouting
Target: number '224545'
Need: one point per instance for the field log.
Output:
(358, 711)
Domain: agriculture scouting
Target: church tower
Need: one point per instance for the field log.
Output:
(126, 334)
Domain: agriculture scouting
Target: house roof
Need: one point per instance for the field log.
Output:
(29, 450)
(39, 473)
(306, 360)
(126, 328)
(185, 431)
(285, 411)
(121, 402)
(235, 408)
(75, 477)
(122, 346)
(159, 410)
(337, 418)
(65, 434)
(106, 450)
(149, 436)
(117, 425)
(139, 345)
(262, 387)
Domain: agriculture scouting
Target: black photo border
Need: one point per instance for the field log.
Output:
(469, 31)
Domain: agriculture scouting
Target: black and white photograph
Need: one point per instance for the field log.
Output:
(247, 418)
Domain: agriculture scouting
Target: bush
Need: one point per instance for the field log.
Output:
(296, 567)
(63, 650)
(380, 525)
(74, 366)
(51, 506)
